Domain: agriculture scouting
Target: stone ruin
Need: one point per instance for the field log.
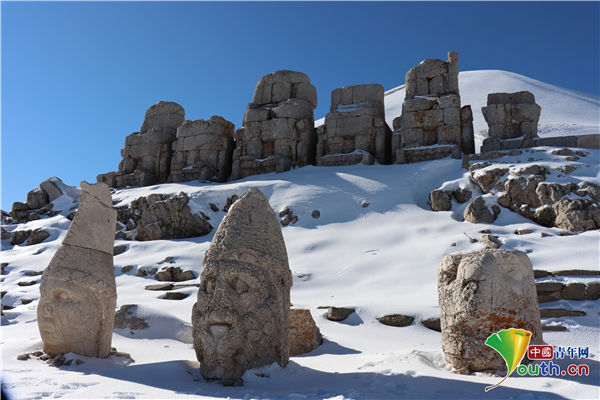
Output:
(278, 131)
(241, 318)
(203, 151)
(481, 293)
(76, 311)
(355, 128)
(433, 124)
(511, 116)
(147, 154)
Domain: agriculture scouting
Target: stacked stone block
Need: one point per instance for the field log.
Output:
(203, 150)
(355, 128)
(430, 126)
(147, 154)
(278, 131)
(511, 116)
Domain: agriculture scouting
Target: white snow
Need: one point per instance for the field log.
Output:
(380, 259)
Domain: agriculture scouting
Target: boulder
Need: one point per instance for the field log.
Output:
(339, 313)
(241, 317)
(126, 318)
(76, 310)
(477, 212)
(481, 293)
(440, 200)
(37, 198)
(160, 216)
(304, 333)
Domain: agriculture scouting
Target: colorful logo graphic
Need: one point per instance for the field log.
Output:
(511, 344)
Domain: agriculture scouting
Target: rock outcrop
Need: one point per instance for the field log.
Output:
(355, 123)
(147, 154)
(431, 125)
(304, 333)
(278, 131)
(481, 293)
(39, 200)
(160, 216)
(241, 318)
(203, 151)
(76, 311)
(478, 211)
(511, 116)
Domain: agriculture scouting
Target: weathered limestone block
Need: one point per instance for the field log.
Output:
(431, 112)
(76, 311)
(147, 154)
(511, 115)
(241, 318)
(356, 122)
(478, 211)
(278, 132)
(304, 333)
(203, 150)
(481, 293)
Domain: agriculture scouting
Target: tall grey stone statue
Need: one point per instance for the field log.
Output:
(241, 318)
(76, 311)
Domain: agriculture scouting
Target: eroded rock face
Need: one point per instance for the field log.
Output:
(147, 154)
(241, 318)
(278, 131)
(356, 121)
(481, 293)
(78, 293)
(203, 151)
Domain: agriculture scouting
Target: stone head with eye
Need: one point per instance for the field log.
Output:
(240, 320)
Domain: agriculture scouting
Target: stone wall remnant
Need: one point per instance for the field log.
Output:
(356, 122)
(511, 116)
(431, 126)
(203, 151)
(147, 154)
(241, 318)
(278, 129)
(481, 293)
(76, 311)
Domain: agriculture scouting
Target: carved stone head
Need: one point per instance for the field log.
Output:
(240, 320)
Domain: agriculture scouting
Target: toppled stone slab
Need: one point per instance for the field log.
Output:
(397, 320)
(338, 314)
(433, 324)
(560, 312)
(126, 318)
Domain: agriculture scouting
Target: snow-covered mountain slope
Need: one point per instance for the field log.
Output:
(380, 259)
(564, 111)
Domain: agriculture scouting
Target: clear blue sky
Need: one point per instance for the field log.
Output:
(78, 77)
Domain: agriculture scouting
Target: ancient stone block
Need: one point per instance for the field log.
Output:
(241, 318)
(356, 122)
(78, 293)
(147, 154)
(510, 115)
(481, 293)
(278, 126)
(203, 150)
